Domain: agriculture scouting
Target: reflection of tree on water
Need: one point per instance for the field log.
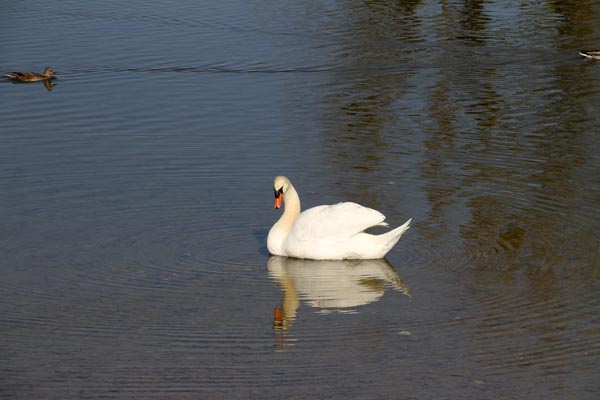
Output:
(507, 151)
(330, 286)
(510, 160)
(360, 111)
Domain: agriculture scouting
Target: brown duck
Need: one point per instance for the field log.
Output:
(47, 75)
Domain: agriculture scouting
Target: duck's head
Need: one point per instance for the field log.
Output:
(280, 187)
(49, 72)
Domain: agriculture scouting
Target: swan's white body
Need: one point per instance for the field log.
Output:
(331, 232)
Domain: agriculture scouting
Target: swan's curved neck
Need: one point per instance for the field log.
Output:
(283, 226)
(291, 208)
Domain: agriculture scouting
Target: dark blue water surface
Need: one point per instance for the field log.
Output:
(136, 196)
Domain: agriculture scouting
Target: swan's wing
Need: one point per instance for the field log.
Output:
(335, 222)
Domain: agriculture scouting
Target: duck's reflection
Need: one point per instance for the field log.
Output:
(330, 286)
(47, 84)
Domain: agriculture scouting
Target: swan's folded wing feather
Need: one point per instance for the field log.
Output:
(335, 222)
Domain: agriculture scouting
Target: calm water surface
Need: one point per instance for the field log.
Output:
(135, 198)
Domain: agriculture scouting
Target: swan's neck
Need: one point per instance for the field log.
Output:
(291, 209)
(282, 227)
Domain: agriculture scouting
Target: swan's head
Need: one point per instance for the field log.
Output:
(280, 187)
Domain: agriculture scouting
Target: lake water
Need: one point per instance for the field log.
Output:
(136, 197)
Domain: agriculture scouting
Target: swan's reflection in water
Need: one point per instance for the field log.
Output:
(330, 286)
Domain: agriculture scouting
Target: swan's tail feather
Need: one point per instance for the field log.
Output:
(395, 234)
(402, 228)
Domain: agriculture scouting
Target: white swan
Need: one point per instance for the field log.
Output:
(332, 232)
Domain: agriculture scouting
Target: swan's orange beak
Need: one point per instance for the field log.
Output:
(278, 200)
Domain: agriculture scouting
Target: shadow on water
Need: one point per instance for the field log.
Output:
(261, 240)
